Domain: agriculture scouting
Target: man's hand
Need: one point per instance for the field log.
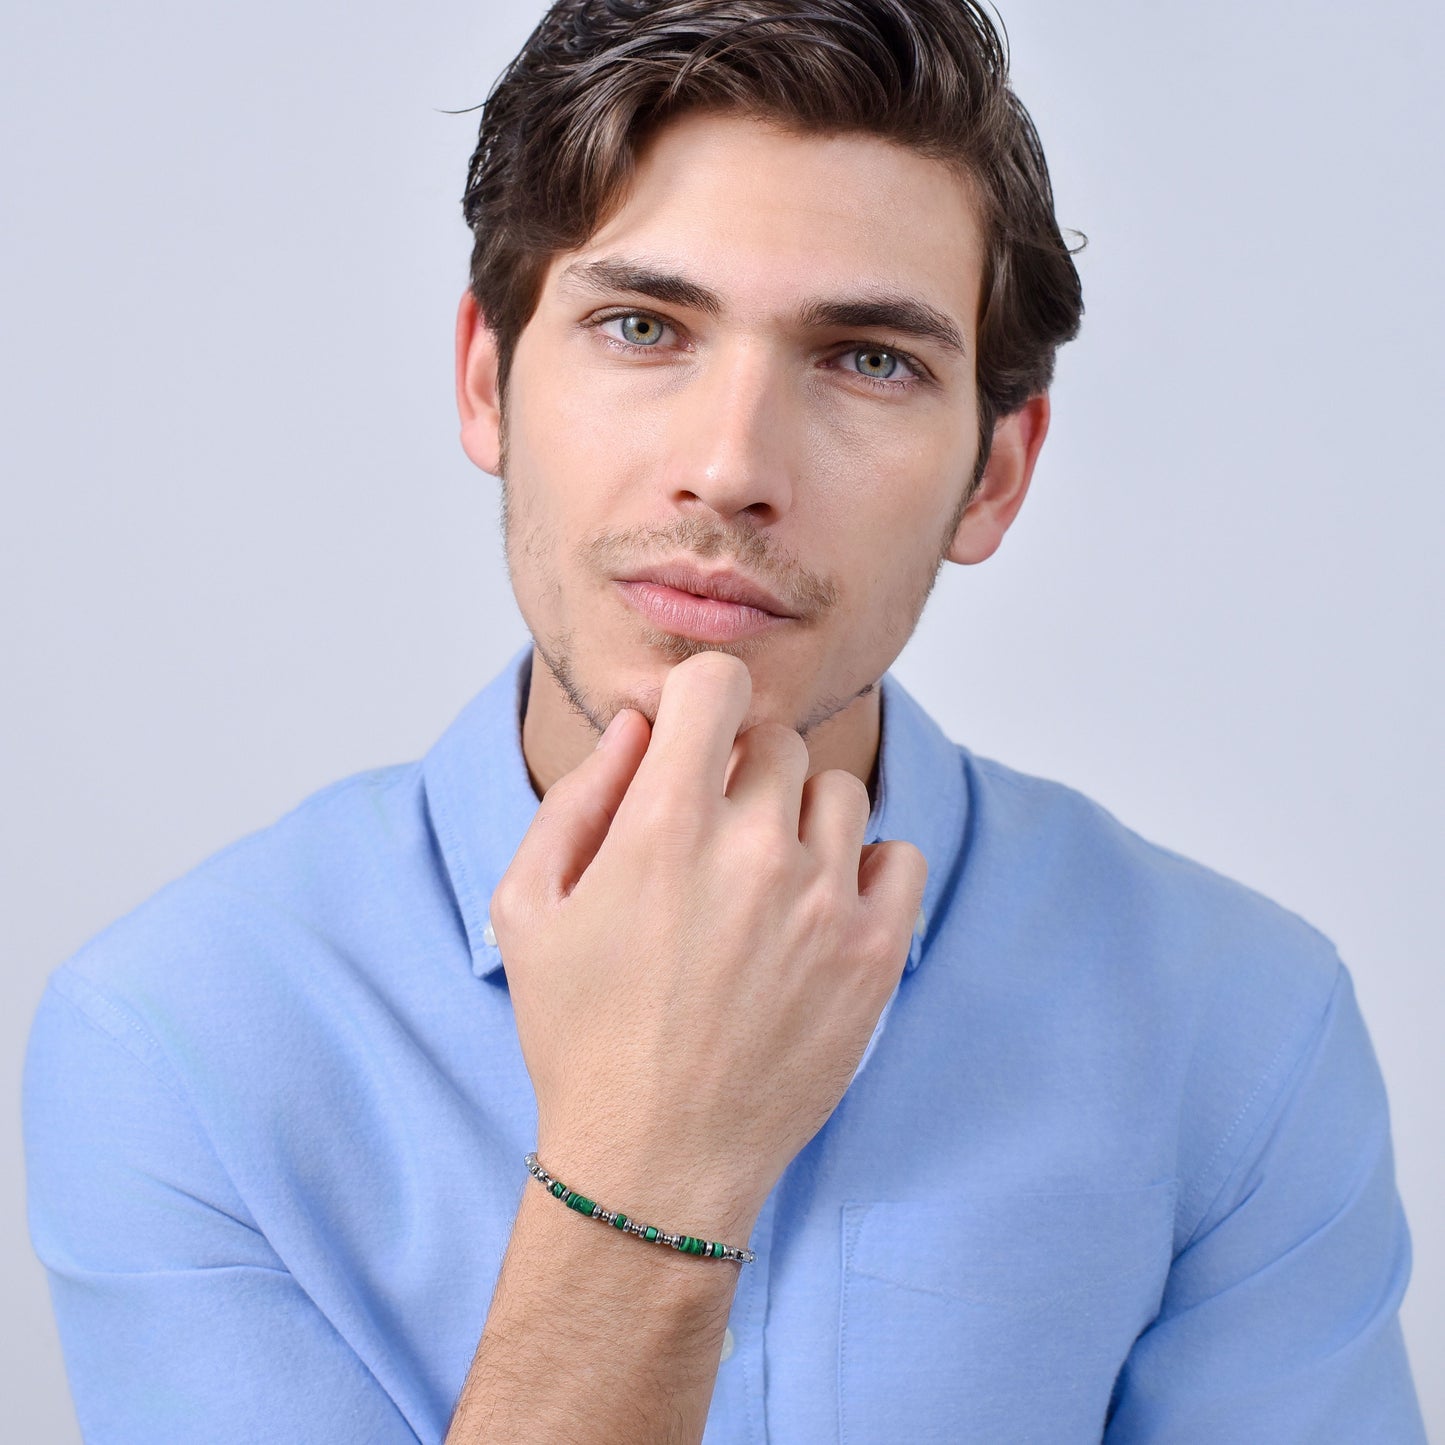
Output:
(698, 947)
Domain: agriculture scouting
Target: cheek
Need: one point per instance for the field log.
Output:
(888, 488)
(579, 443)
(569, 384)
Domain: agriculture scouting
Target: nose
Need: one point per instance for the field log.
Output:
(732, 436)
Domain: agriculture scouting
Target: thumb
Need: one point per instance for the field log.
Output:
(573, 818)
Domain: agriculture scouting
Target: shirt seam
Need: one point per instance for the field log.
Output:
(107, 1017)
(1266, 1117)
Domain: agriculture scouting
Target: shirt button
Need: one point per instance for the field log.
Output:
(489, 936)
(727, 1342)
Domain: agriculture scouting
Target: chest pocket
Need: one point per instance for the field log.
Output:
(997, 1319)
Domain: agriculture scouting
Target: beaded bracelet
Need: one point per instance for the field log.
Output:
(684, 1243)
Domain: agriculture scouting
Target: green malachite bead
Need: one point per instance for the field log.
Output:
(684, 1243)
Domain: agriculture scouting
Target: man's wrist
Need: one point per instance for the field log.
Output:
(624, 1180)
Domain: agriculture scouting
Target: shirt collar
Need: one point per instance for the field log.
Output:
(481, 800)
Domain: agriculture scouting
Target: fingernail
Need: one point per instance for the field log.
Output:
(611, 728)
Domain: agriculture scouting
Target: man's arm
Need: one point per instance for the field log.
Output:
(1280, 1318)
(178, 1321)
(699, 945)
(595, 1335)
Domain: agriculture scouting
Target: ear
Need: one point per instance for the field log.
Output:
(1005, 481)
(477, 379)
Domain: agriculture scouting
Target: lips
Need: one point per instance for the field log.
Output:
(722, 586)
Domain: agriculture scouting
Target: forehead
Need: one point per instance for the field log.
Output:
(766, 215)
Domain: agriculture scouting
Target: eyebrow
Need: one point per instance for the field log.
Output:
(906, 314)
(668, 286)
(898, 313)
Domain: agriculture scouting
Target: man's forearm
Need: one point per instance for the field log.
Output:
(595, 1335)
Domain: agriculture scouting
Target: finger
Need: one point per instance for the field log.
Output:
(769, 766)
(704, 700)
(573, 819)
(834, 821)
(891, 880)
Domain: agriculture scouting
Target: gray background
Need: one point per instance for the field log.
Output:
(243, 554)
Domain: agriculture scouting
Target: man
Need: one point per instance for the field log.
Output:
(994, 1122)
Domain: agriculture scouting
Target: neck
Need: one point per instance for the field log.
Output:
(557, 736)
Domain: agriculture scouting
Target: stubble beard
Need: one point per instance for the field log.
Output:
(559, 653)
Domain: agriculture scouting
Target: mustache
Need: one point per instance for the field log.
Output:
(804, 591)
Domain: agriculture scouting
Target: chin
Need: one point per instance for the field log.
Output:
(602, 675)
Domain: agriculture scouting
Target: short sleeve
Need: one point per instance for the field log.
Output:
(177, 1320)
(1280, 1317)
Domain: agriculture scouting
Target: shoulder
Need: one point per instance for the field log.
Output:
(1187, 993)
(1051, 848)
(258, 923)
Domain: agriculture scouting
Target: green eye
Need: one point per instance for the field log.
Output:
(641, 330)
(878, 364)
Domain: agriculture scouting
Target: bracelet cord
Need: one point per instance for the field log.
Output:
(683, 1243)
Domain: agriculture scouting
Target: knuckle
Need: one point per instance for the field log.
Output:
(558, 797)
(766, 849)
(663, 816)
(775, 742)
(784, 738)
(879, 944)
(505, 906)
(845, 785)
(825, 904)
(915, 864)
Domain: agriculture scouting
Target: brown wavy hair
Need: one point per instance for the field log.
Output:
(562, 126)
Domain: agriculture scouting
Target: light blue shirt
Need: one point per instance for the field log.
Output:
(1116, 1166)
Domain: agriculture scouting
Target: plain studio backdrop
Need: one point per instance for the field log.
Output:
(243, 554)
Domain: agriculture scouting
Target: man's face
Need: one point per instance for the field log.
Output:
(749, 366)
